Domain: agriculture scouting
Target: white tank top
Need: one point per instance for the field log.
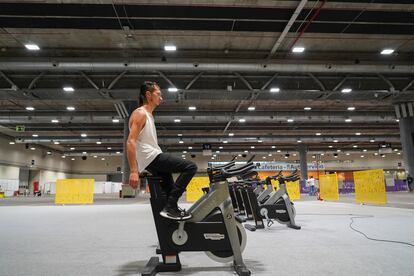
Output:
(146, 146)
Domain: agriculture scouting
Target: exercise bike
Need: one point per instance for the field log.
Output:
(277, 207)
(212, 228)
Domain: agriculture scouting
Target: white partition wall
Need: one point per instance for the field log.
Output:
(9, 186)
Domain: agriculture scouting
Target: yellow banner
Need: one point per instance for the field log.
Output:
(370, 187)
(275, 184)
(74, 191)
(293, 189)
(194, 189)
(328, 186)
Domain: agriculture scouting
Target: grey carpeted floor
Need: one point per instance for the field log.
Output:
(118, 239)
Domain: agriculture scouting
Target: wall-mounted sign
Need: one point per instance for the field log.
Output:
(277, 166)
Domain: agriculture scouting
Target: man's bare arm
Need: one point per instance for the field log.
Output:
(136, 123)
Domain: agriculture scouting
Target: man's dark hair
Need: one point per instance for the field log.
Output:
(146, 86)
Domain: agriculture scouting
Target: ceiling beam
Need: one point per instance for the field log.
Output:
(116, 79)
(188, 86)
(33, 82)
(318, 81)
(390, 85)
(13, 85)
(286, 30)
(109, 66)
(90, 81)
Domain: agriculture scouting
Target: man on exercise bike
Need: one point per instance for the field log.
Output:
(144, 153)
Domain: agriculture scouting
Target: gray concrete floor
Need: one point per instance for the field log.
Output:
(118, 239)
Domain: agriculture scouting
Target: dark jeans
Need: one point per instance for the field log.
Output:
(164, 165)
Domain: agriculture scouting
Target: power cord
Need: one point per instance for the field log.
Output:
(372, 239)
(354, 216)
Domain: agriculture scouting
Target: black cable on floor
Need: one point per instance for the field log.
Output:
(360, 232)
(372, 239)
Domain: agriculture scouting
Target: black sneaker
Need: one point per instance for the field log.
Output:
(175, 213)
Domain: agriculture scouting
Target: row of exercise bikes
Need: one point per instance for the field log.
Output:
(216, 225)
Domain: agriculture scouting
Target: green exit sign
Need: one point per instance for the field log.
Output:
(20, 128)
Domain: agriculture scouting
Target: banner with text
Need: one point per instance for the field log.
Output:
(74, 191)
(370, 187)
(194, 189)
(328, 185)
(277, 166)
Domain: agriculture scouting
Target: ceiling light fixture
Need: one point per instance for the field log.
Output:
(275, 89)
(170, 48)
(68, 89)
(387, 51)
(32, 47)
(346, 90)
(172, 89)
(298, 49)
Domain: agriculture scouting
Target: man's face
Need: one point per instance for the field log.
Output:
(155, 97)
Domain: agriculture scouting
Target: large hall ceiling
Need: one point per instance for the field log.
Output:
(229, 55)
